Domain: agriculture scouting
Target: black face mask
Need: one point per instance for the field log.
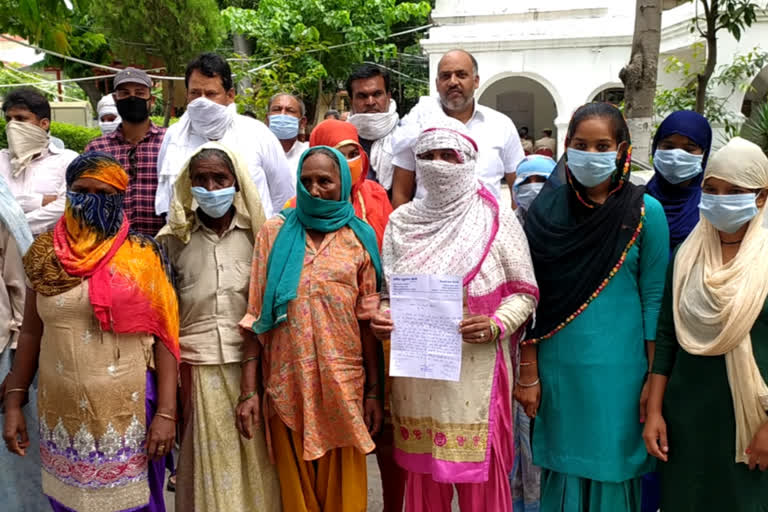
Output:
(133, 109)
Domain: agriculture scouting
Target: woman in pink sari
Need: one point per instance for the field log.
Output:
(459, 433)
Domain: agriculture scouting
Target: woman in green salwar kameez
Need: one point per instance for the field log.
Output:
(600, 248)
(707, 418)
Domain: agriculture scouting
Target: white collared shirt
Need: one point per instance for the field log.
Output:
(44, 176)
(294, 154)
(256, 144)
(499, 148)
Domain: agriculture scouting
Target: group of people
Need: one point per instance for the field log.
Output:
(225, 281)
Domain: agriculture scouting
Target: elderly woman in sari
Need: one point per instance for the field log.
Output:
(460, 433)
(99, 297)
(313, 290)
(707, 419)
(210, 249)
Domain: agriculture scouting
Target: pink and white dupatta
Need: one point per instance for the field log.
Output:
(445, 428)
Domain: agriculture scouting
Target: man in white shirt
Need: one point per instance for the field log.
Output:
(499, 145)
(33, 166)
(212, 115)
(286, 117)
(374, 114)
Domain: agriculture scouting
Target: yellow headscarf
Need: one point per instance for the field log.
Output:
(716, 305)
(181, 214)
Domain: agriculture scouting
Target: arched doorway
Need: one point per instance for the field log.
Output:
(524, 100)
(614, 95)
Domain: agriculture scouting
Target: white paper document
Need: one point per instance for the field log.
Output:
(426, 311)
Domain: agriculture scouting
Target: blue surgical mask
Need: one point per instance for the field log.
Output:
(728, 212)
(677, 165)
(591, 169)
(215, 203)
(525, 194)
(285, 127)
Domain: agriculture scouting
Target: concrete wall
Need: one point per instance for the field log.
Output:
(571, 52)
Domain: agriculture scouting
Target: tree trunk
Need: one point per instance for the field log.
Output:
(702, 80)
(93, 93)
(168, 103)
(244, 48)
(639, 76)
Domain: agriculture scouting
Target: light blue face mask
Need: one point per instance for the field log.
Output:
(285, 127)
(525, 194)
(677, 165)
(215, 203)
(591, 169)
(728, 212)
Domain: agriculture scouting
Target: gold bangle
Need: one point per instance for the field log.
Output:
(495, 331)
(528, 363)
(166, 416)
(16, 390)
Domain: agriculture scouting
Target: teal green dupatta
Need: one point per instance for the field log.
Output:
(286, 259)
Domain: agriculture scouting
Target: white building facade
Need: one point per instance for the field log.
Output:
(540, 60)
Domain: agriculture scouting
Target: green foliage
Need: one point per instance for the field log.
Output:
(10, 76)
(74, 137)
(756, 128)
(44, 22)
(158, 120)
(736, 76)
(172, 31)
(310, 46)
(734, 15)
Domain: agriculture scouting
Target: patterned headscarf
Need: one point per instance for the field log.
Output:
(129, 281)
(458, 228)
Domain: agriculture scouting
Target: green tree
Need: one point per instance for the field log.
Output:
(733, 77)
(309, 48)
(733, 16)
(170, 31)
(639, 75)
(52, 25)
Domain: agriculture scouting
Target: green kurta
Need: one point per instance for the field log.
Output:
(701, 474)
(588, 426)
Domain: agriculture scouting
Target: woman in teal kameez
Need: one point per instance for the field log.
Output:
(712, 354)
(600, 246)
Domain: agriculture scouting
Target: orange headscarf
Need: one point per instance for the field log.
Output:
(129, 281)
(368, 197)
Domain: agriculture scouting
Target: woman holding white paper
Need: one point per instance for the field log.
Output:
(459, 433)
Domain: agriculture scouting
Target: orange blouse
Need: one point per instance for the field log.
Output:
(313, 369)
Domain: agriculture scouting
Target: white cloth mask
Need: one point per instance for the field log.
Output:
(25, 142)
(209, 119)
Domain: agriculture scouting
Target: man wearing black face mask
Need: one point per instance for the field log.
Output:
(135, 144)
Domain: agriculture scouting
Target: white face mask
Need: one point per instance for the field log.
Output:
(209, 119)
(525, 194)
(25, 141)
(109, 126)
(376, 126)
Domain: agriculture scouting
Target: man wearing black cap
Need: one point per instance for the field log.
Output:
(135, 144)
